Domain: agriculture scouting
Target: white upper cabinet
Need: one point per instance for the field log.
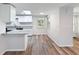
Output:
(7, 13)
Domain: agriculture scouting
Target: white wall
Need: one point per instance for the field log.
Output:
(61, 26)
(66, 26)
(53, 26)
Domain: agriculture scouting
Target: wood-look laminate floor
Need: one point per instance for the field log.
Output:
(43, 45)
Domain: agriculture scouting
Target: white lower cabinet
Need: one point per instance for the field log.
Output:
(16, 42)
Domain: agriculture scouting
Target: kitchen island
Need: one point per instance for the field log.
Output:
(17, 40)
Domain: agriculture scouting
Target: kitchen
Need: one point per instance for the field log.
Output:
(18, 28)
(36, 29)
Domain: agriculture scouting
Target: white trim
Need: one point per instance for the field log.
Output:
(62, 45)
(15, 50)
(53, 39)
(66, 46)
(26, 40)
(3, 52)
(11, 50)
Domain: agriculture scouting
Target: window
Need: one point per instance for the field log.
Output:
(24, 18)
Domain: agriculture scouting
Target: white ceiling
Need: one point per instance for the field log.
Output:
(36, 8)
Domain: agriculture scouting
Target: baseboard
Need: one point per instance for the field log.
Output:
(15, 50)
(11, 50)
(52, 38)
(3, 52)
(66, 46)
(62, 45)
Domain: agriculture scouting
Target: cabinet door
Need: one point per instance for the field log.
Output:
(4, 13)
(15, 42)
(7, 13)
